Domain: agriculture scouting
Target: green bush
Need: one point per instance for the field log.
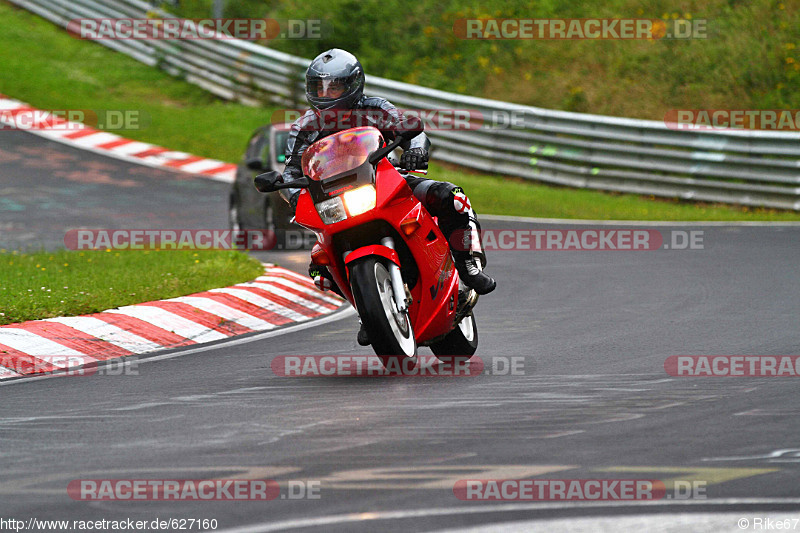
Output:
(749, 60)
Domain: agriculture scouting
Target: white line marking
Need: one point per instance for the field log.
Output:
(649, 522)
(485, 509)
(58, 135)
(170, 322)
(228, 313)
(169, 157)
(199, 167)
(299, 300)
(301, 278)
(96, 139)
(33, 344)
(262, 302)
(6, 103)
(131, 148)
(7, 373)
(109, 333)
(311, 291)
(582, 222)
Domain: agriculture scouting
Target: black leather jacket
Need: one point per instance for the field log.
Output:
(374, 111)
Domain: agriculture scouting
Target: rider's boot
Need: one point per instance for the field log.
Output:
(363, 337)
(323, 279)
(469, 256)
(469, 270)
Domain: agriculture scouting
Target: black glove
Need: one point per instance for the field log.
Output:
(414, 158)
(266, 182)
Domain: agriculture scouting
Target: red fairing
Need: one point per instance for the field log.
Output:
(391, 184)
(375, 249)
(435, 295)
(306, 214)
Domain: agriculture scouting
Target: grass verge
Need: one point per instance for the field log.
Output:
(517, 197)
(67, 283)
(56, 71)
(45, 67)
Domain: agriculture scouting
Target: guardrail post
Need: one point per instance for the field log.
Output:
(218, 9)
(298, 88)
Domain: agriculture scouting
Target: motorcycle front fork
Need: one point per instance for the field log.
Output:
(398, 287)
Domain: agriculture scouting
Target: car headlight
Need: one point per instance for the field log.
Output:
(331, 211)
(360, 200)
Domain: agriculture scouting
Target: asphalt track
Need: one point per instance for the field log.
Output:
(47, 187)
(590, 398)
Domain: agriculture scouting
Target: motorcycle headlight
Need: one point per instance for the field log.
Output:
(360, 200)
(331, 211)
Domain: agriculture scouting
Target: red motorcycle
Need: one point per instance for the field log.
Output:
(382, 247)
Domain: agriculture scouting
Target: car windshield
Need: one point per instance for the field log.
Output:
(340, 152)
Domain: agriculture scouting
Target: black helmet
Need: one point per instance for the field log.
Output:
(334, 68)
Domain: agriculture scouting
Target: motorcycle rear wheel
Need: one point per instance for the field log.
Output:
(459, 344)
(390, 331)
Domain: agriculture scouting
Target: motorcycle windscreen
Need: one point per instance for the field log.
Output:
(340, 152)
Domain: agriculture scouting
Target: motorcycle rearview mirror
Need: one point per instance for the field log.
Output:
(273, 181)
(380, 153)
(410, 126)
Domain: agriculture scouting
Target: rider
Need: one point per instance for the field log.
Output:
(335, 91)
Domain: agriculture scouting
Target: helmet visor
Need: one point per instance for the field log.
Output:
(330, 89)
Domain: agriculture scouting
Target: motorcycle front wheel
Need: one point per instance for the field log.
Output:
(389, 330)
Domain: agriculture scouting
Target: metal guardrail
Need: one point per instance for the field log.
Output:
(573, 149)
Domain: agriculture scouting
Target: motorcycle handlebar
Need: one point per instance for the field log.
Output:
(396, 164)
(419, 171)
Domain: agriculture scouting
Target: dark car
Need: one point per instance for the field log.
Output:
(248, 208)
